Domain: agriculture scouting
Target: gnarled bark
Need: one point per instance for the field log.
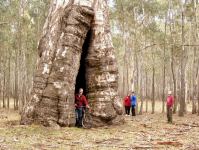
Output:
(101, 69)
(60, 49)
(54, 82)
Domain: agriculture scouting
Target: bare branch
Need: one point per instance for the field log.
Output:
(178, 45)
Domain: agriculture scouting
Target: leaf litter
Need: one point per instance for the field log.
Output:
(145, 131)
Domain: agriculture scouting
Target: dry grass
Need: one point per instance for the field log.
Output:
(145, 131)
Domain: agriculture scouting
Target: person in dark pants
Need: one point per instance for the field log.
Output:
(133, 103)
(170, 102)
(80, 102)
(127, 104)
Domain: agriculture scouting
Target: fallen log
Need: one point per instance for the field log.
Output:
(172, 143)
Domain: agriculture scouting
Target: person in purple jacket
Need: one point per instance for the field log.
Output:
(133, 103)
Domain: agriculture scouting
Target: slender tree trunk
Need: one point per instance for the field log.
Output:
(16, 98)
(198, 88)
(146, 91)
(127, 76)
(195, 64)
(164, 66)
(137, 77)
(141, 95)
(4, 87)
(137, 71)
(174, 81)
(1, 89)
(153, 90)
(8, 90)
(17, 52)
(4, 81)
(182, 69)
(173, 60)
(194, 82)
(123, 82)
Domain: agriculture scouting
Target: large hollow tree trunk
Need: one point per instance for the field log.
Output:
(69, 25)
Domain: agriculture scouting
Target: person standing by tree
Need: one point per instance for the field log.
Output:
(80, 102)
(170, 101)
(133, 103)
(127, 104)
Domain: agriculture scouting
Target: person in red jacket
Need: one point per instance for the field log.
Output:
(80, 103)
(170, 102)
(127, 104)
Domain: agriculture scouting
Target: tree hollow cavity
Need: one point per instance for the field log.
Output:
(81, 76)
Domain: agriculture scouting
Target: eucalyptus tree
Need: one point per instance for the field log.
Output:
(75, 51)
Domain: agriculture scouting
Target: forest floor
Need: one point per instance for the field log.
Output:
(147, 131)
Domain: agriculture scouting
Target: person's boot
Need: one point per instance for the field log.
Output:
(80, 123)
(76, 123)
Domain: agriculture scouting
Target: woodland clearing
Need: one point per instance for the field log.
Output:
(146, 131)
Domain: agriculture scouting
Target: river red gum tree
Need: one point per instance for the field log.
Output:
(75, 31)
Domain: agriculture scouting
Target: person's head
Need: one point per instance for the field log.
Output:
(133, 93)
(169, 93)
(81, 91)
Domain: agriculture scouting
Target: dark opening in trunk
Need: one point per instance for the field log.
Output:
(81, 76)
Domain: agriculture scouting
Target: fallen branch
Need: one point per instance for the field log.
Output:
(172, 143)
(131, 147)
(142, 147)
(189, 125)
(176, 133)
(111, 140)
(2, 23)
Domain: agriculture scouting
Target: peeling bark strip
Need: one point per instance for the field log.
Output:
(60, 49)
(54, 82)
